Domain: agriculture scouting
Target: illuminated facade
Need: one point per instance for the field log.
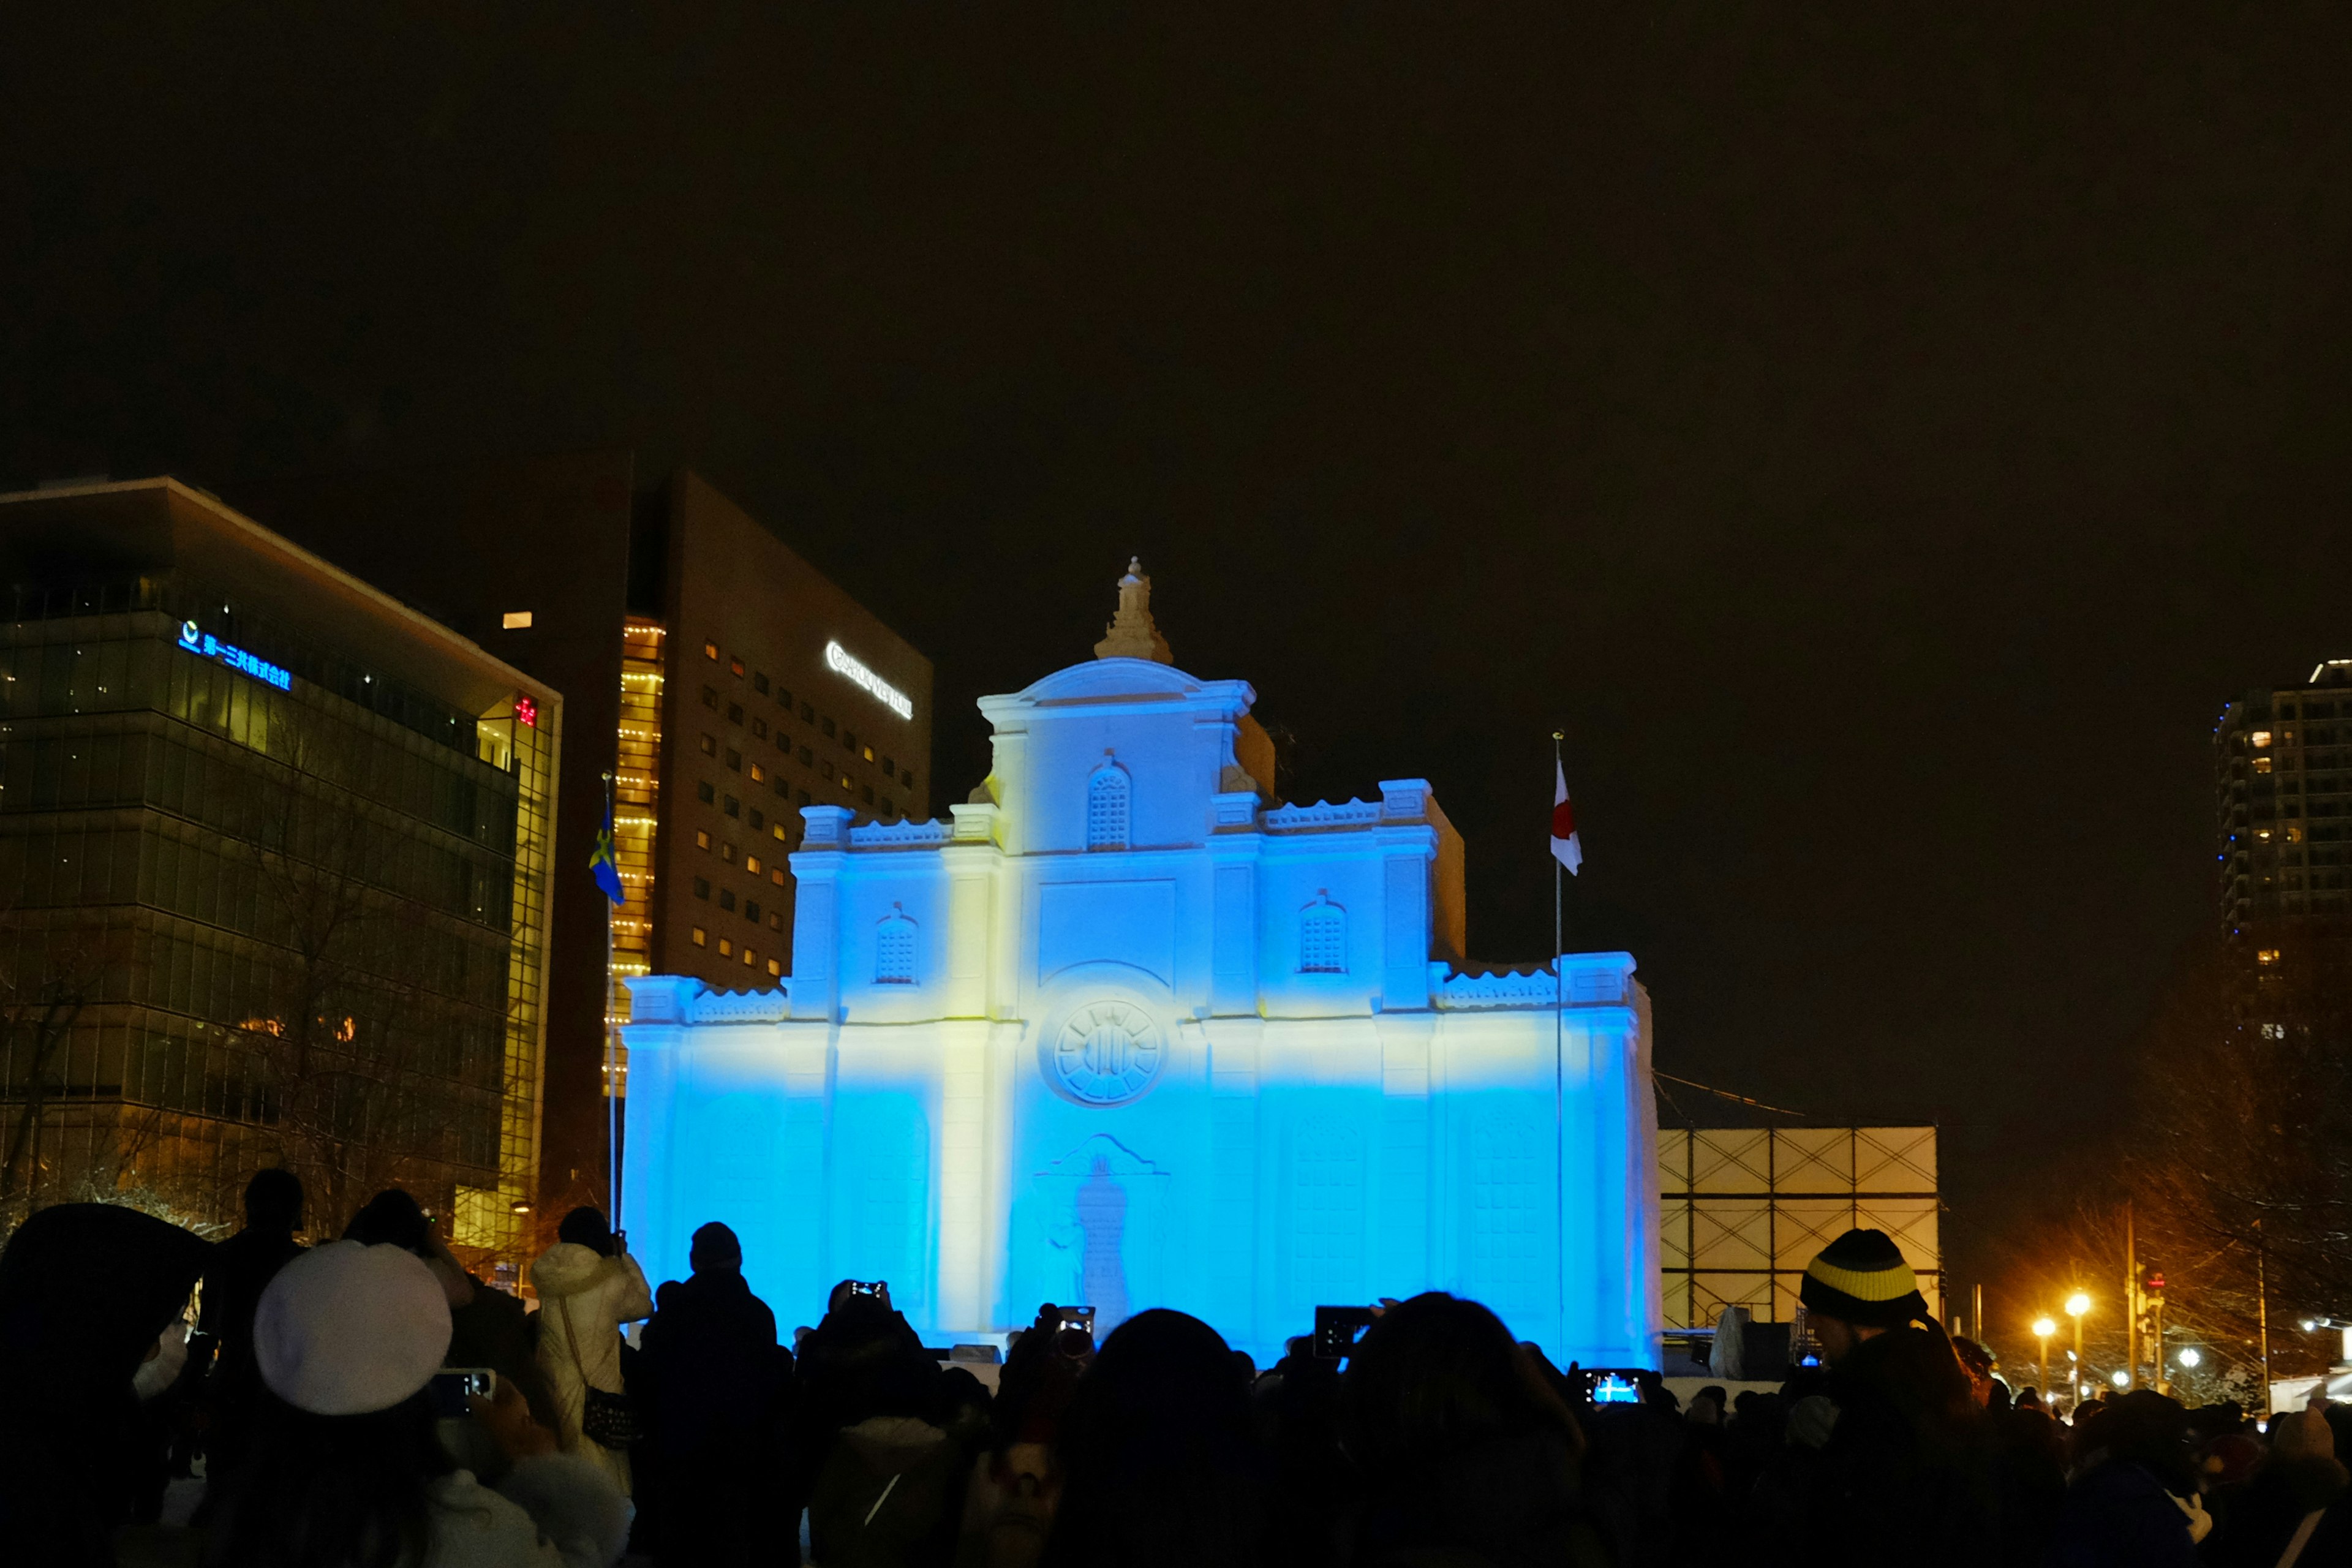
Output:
(274, 859)
(1127, 1031)
(2283, 806)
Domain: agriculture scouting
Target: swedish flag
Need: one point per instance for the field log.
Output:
(607, 869)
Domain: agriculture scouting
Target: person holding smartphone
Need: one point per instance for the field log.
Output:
(588, 1285)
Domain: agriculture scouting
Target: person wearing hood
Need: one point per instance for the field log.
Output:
(2134, 1501)
(1908, 1455)
(588, 1285)
(346, 1467)
(91, 1300)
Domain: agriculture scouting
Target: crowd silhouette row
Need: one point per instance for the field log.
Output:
(367, 1403)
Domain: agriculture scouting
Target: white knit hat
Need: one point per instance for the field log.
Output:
(346, 1329)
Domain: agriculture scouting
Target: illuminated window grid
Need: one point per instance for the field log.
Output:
(637, 798)
(524, 1080)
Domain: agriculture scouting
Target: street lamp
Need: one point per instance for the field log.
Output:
(2120, 1378)
(2189, 1356)
(2042, 1329)
(2077, 1304)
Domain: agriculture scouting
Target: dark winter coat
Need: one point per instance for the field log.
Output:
(1908, 1460)
(713, 1387)
(2119, 1515)
(85, 1290)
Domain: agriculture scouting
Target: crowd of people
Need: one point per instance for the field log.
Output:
(368, 1403)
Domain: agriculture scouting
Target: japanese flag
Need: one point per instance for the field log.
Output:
(1566, 848)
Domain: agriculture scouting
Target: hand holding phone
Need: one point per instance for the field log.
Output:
(1337, 1330)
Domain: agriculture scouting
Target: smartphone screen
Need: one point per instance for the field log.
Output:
(1614, 1388)
(453, 1385)
(1337, 1330)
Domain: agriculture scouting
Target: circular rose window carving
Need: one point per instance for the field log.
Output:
(1104, 1052)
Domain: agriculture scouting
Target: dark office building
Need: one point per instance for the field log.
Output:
(722, 681)
(273, 855)
(2283, 764)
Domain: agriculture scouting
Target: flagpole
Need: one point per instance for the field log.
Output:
(611, 1063)
(1558, 1076)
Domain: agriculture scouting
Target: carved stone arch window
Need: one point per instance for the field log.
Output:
(1323, 936)
(1108, 793)
(894, 948)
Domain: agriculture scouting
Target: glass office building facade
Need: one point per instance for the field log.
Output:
(265, 897)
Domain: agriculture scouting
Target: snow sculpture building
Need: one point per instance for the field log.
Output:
(1127, 1031)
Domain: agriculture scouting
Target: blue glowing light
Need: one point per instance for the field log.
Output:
(1215, 1054)
(236, 658)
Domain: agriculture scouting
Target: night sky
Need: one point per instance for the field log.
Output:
(1880, 443)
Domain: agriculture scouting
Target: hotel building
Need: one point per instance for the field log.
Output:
(736, 684)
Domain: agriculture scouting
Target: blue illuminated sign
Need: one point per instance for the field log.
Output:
(236, 658)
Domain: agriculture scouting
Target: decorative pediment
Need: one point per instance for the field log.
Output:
(1116, 1158)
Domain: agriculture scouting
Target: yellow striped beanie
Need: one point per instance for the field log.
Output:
(1863, 1278)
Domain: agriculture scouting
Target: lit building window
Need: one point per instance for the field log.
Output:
(775, 920)
(752, 864)
(726, 853)
(776, 875)
(868, 751)
(778, 831)
(710, 650)
(1323, 937)
(894, 952)
(701, 839)
(726, 948)
(2261, 764)
(702, 937)
(2261, 737)
(774, 967)
(758, 773)
(736, 665)
(2267, 955)
(1107, 802)
(750, 958)
(515, 621)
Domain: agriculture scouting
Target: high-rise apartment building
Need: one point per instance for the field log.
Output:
(2282, 765)
(716, 679)
(274, 857)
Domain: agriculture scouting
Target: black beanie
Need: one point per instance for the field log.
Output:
(1862, 1278)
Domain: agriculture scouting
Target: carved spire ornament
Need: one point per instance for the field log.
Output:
(1132, 633)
